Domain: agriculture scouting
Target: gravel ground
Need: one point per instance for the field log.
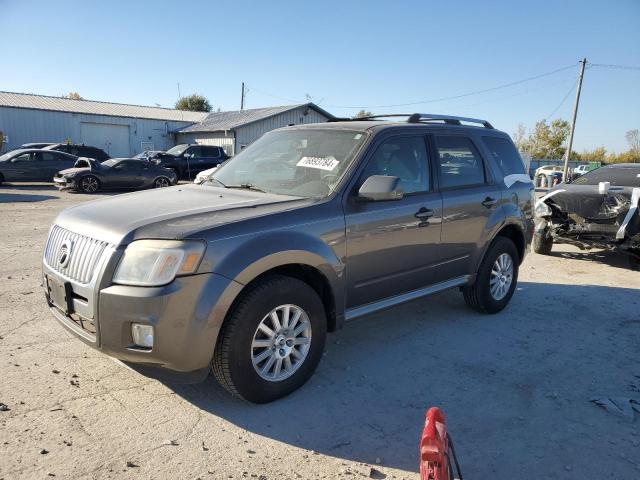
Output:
(516, 387)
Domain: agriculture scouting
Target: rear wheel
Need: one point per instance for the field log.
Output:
(496, 278)
(161, 182)
(542, 243)
(272, 341)
(89, 184)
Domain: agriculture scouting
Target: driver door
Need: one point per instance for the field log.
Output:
(126, 174)
(393, 246)
(24, 168)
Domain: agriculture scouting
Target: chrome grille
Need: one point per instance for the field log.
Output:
(85, 254)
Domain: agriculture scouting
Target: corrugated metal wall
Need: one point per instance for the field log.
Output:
(247, 134)
(219, 139)
(27, 125)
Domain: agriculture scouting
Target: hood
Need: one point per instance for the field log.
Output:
(169, 213)
(587, 202)
(73, 171)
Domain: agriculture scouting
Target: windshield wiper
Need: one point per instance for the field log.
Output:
(246, 186)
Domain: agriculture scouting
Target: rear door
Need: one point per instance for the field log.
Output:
(393, 246)
(53, 162)
(469, 198)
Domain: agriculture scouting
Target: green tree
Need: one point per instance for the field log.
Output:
(194, 103)
(74, 96)
(547, 140)
(363, 114)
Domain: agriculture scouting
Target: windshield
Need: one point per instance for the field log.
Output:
(305, 163)
(10, 154)
(178, 149)
(617, 176)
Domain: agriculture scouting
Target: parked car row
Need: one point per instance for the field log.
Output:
(81, 173)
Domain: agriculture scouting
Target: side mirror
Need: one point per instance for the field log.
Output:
(379, 188)
(187, 155)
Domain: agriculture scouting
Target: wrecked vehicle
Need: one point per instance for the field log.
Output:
(89, 175)
(597, 210)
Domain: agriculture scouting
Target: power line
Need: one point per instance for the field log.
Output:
(619, 67)
(564, 99)
(433, 100)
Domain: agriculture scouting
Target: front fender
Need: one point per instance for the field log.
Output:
(244, 259)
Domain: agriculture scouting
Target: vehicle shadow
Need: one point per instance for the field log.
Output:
(604, 257)
(24, 197)
(502, 380)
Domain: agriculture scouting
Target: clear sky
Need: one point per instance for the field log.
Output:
(342, 53)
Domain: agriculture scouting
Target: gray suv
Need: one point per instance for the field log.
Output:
(308, 227)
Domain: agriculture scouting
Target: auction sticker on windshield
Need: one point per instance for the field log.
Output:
(322, 163)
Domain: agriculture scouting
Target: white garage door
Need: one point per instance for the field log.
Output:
(113, 139)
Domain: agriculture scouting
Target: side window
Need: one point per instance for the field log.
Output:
(210, 152)
(459, 162)
(50, 156)
(196, 152)
(25, 157)
(505, 155)
(402, 157)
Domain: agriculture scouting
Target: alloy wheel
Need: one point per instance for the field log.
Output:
(281, 343)
(501, 276)
(89, 184)
(161, 182)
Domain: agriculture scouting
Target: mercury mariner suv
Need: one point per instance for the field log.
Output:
(310, 226)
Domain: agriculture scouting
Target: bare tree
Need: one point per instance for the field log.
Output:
(633, 138)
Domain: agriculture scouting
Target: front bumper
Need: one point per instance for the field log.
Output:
(186, 316)
(63, 183)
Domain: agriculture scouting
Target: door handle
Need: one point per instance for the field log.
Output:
(424, 214)
(489, 202)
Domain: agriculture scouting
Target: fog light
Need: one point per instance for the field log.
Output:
(142, 335)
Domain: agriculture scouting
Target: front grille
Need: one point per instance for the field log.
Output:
(84, 255)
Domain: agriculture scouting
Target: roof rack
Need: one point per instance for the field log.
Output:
(419, 118)
(453, 120)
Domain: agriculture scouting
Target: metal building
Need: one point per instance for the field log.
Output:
(120, 130)
(235, 130)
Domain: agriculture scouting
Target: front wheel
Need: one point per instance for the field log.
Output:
(496, 278)
(89, 184)
(272, 341)
(161, 182)
(542, 243)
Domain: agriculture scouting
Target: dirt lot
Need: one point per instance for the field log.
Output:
(516, 387)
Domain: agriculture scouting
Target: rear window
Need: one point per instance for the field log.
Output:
(618, 177)
(505, 155)
(459, 161)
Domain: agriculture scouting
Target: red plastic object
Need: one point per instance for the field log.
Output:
(434, 446)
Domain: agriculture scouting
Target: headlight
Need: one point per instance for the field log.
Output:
(152, 263)
(543, 210)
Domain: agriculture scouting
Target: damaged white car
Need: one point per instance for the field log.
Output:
(597, 210)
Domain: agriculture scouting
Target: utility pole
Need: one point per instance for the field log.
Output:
(565, 173)
(242, 98)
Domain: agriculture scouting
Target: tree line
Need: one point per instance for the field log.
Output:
(548, 140)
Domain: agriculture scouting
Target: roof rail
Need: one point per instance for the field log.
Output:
(453, 120)
(419, 118)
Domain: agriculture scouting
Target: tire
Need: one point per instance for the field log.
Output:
(175, 170)
(542, 243)
(479, 296)
(235, 353)
(89, 184)
(161, 182)
(634, 262)
(1, 179)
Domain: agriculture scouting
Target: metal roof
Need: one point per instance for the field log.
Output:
(219, 121)
(59, 104)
